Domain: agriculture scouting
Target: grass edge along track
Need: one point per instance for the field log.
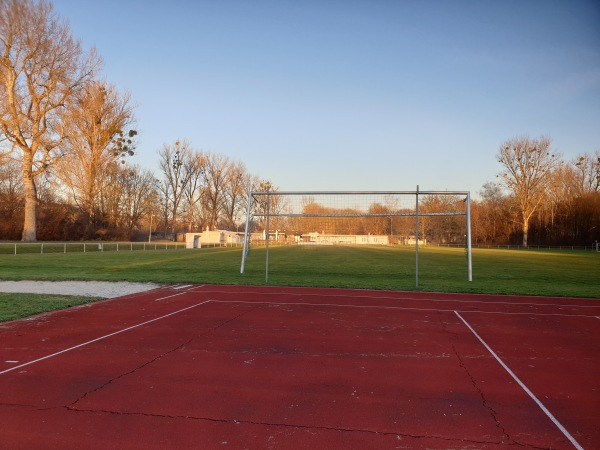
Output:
(569, 273)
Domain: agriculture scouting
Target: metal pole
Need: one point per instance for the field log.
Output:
(150, 232)
(469, 258)
(417, 238)
(267, 237)
(245, 248)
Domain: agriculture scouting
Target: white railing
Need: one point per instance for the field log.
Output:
(19, 248)
(520, 247)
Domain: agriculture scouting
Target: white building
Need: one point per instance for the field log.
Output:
(347, 239)
(212, 238)
(412, 241)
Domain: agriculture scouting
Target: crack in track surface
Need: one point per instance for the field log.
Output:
(291, 425)
(399, 435)
(147, 363)
(484, 401)
(71, 406)
(485, 404)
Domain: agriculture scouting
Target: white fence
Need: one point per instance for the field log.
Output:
(594, 247)
(19, 248)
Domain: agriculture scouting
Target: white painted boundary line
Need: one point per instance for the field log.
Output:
(170, 296)
(525, 313)
(182, 286)
(196, 287)
(400, 308)
(105, 336)
(525, 388)
(376, 297)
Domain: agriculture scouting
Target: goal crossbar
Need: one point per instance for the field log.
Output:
(422, 214)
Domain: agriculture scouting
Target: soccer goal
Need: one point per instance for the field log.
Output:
(364, 218)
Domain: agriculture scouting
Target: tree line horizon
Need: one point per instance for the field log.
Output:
(66, 135)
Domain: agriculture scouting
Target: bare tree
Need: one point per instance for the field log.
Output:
(140, 194)
(11, 198)
(561, 191)
(175, 163)
(97, 136)
(164, 201)
(11, 183)
(273, 204)
(217, 168)
(236, 193)
(527, 164)
(195, 167)
(492, 225)
(377, 225)
(112, 201)
(42, 69)
(588, 167)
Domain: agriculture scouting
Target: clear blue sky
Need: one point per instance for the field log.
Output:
(352, 94)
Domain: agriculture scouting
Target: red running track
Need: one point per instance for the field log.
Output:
(255, 367)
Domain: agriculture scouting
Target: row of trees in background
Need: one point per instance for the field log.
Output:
(123, 201)
(538, 199)
(196, 190)
(376, 218)
(202, 190)
(65, 135)
(543, 187)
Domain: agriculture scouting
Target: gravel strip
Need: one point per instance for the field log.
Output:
(104, 289)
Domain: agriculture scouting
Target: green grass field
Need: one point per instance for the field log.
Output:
(522, 272)
(16, 306)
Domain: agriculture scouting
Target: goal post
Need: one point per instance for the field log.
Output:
(409, 218)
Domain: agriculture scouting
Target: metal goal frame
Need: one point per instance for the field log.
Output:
(253, 198)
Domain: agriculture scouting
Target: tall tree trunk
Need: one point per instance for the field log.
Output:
(29, 222)
(525, 231)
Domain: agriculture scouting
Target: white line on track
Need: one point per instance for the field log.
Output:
(387, 297)
(104, 337)
(400, 308)
(169, 296)
(525, 388)
(195, 287)
(182, 286)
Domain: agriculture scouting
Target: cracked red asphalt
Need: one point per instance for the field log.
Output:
(252, 367)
